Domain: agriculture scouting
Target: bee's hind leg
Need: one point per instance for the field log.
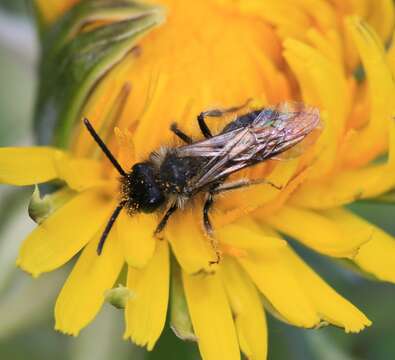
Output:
(216, 113)
(209, 228)
(243, 183)
(184, 137)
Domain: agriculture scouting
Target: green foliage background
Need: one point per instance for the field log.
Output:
(26, 305)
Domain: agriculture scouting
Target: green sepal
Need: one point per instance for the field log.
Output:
(387, 198)
(38, 19)
(119, 296)
(74, 61)
(351, 266)
(41, 208)
(180, 320)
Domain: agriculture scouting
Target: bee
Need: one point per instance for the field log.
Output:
(172, 176)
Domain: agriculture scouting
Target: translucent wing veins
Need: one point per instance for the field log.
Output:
(271, 132)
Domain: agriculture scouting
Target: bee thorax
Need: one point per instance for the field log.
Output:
(175, 173)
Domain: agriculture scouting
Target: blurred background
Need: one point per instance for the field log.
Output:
(26, 305)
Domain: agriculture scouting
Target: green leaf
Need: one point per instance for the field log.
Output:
(73, 61)
(14, 226)
(102, 340)
(27, 302)
(324, 348)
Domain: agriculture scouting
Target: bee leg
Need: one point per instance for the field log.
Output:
(206, 220)
(242, 184)
(216, 113)
(108, 227)
(165, 219)
(184, 137)
(209, 229)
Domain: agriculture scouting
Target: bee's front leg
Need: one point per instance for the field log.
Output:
(170, 211)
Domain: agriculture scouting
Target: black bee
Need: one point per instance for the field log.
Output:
(173, 175)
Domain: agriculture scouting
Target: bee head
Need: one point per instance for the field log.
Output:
(140, 190)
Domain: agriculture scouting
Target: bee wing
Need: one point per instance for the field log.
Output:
(270, 134)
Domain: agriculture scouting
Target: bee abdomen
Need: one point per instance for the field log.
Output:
(242, 121)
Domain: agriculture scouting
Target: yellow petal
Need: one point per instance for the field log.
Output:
(137, 237)
(346, 187)
(324, 85)
(264, 256)
(328, 44)
(321, 12)
(358, 7)
(126, 152)
(391, 55)
(275, 279)
(377, 255)
(264, 262)
(262, 194)
(83, 293)
(246, 236)
(250, 318)
(272, 79)
(328, 308)
(29, 165)
(100, 104)
(211, 317)
(276, 13)
(145, 313)
(33, 165)
(316, 231)
(293, 184)
(372, 140)
(159, 86)
(79, 174)
(328, 304)
(191, 248)
(146, 139)
(64, 233)
(382, 17)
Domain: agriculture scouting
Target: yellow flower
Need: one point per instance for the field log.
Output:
(217, 54)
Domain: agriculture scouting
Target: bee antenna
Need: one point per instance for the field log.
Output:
(109, 226)
(103, 147)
